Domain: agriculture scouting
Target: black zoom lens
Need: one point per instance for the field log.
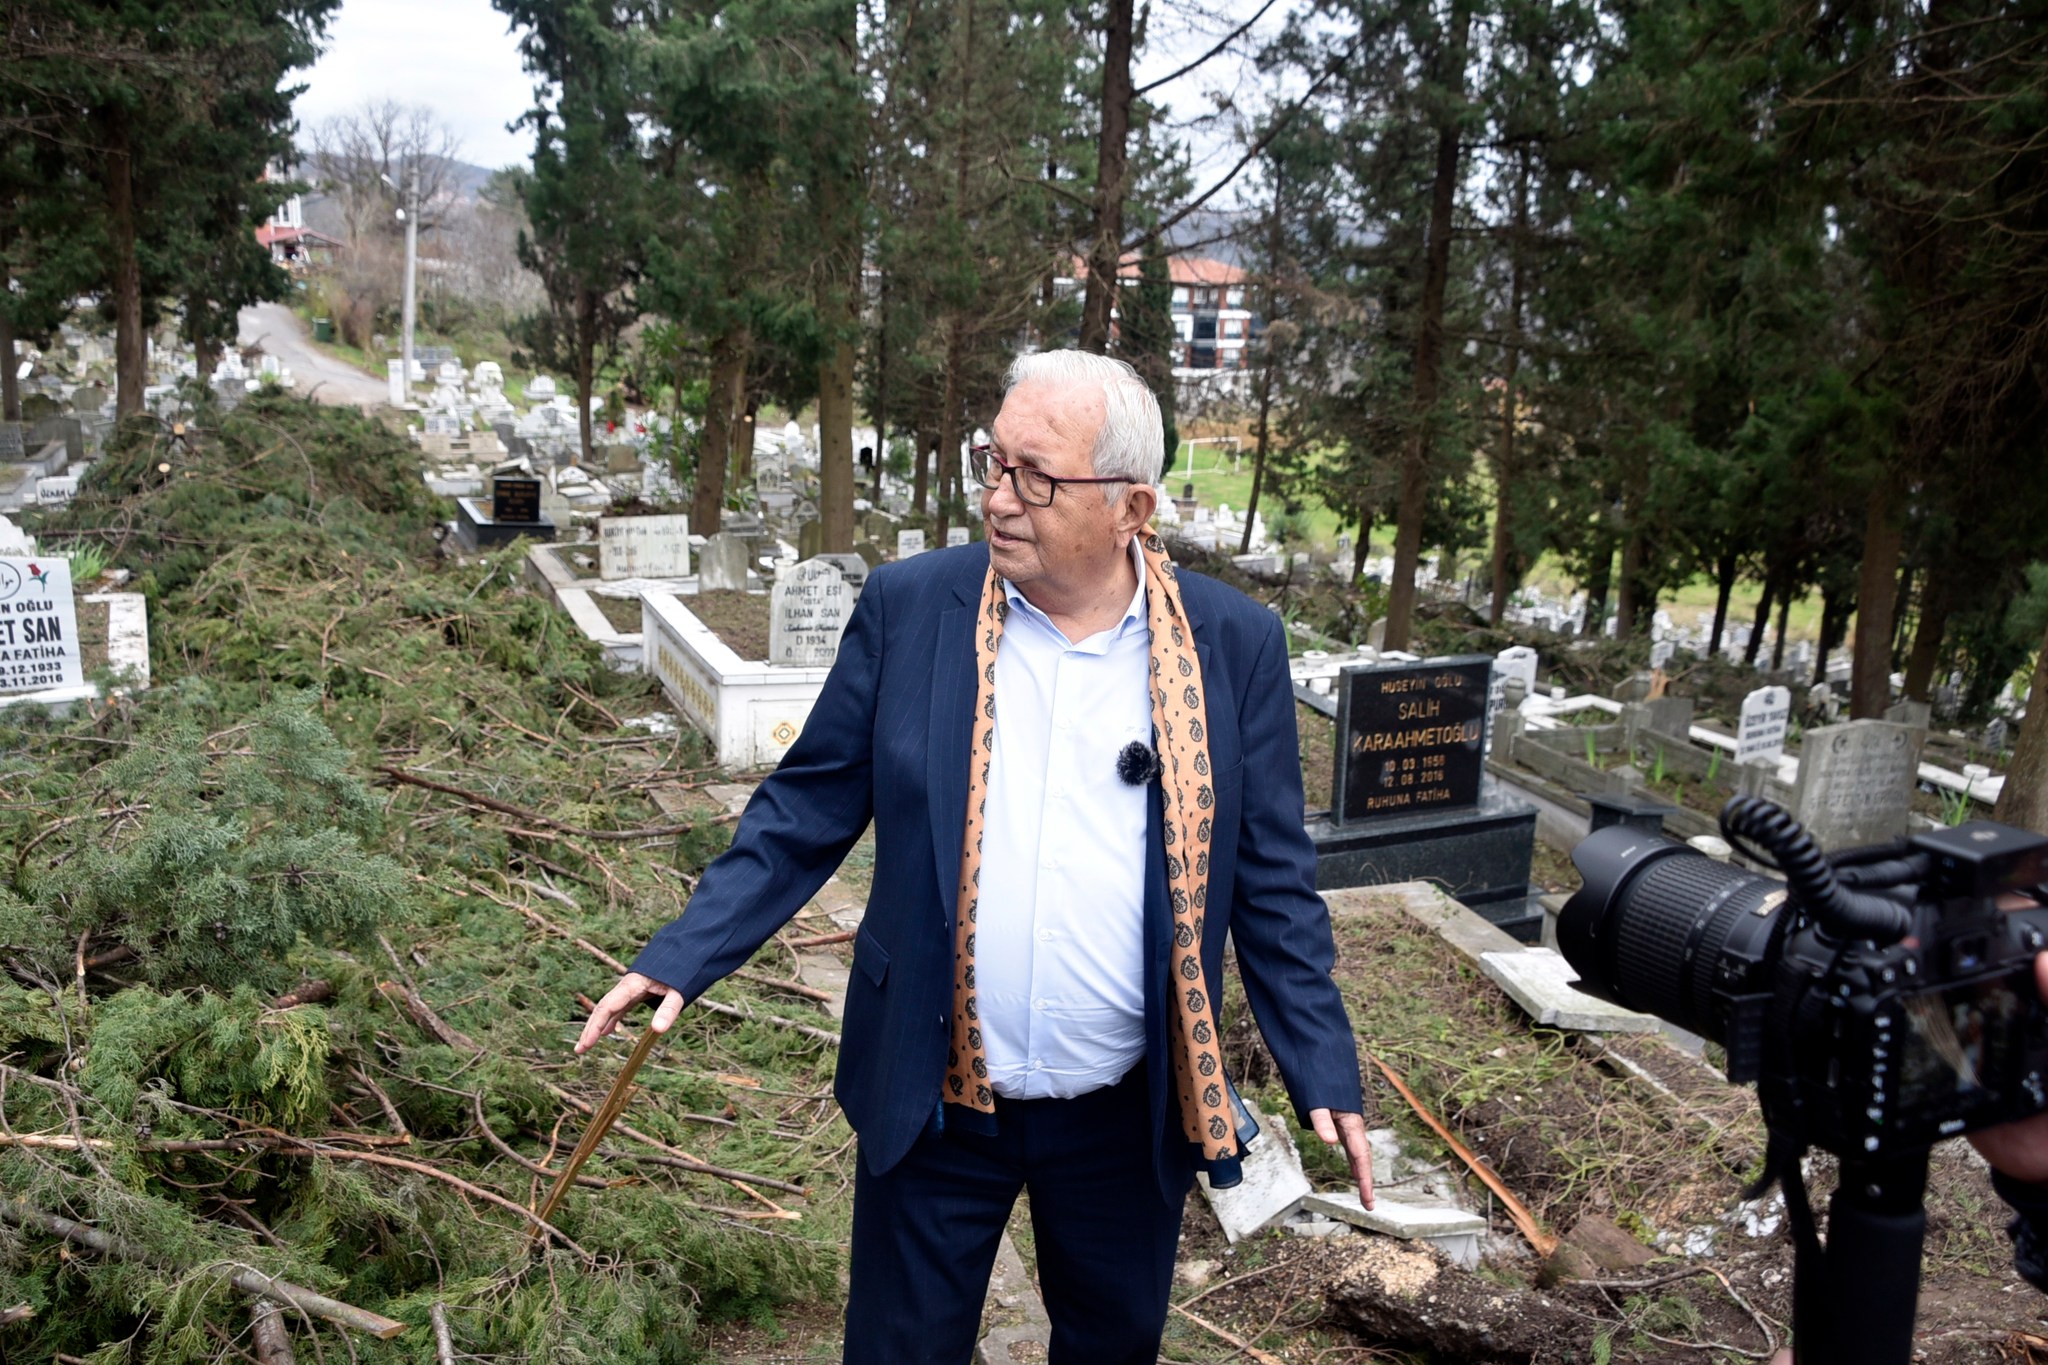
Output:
(1661, 928)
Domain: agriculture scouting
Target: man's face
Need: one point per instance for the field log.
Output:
(1076, 545)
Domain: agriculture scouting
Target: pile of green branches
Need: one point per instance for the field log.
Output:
(296, 942)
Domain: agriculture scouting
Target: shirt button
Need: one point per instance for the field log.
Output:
(1045, 935)
(1038, 1063)
(1049, 861)
(1038, 1004)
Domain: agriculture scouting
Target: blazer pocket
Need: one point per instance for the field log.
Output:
(1232, 777)
(870, 956)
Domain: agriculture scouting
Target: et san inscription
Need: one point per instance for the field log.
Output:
(1411, 738)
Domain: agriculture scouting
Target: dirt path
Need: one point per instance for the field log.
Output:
(277, 331)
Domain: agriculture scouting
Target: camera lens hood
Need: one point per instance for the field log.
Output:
(1608, 860)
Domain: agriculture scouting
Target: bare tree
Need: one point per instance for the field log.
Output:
(359, 156)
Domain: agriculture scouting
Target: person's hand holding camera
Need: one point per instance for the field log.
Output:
(2020, 1149)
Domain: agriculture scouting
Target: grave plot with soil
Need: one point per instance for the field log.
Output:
(1647, 1185)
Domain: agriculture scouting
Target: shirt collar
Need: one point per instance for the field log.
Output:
(1136, 617)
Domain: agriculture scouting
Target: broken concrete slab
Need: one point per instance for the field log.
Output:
(828, 972)
(1273, 1184)
(1539, 980)
(731, 795)
(1452, 1231)
(1015, 1328)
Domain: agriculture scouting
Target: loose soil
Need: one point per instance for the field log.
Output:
(622, 612)
(1318, 740)
(92, 635)
(738, 618)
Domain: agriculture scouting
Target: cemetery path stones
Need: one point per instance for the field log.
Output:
(810, 603)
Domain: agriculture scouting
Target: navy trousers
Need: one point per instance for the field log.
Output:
(925, 1234)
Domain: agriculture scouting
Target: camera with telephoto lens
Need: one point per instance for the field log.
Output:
(1883, 999)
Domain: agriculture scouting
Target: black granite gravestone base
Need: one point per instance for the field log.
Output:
(1480, 855)
(476, 530)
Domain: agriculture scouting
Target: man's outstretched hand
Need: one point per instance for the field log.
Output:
(1348, 1131)
(619, 1001)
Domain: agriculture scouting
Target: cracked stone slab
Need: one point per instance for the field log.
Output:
(1540, 981)
(1454, 1232)
(733, 796)
(1273, 1184)
(1015, 1328)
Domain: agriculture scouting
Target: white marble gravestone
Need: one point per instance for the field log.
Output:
(810, 603)
(722, 567)
(38, 625)
(643, 547)
(1761, 733)
(957, 535)
(909, 543)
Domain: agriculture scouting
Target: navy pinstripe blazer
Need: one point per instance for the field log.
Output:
(887, 742)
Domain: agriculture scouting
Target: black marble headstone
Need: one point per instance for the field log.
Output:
(515, 500)
(1411, 738)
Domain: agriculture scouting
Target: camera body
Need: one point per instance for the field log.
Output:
(1864, 1046)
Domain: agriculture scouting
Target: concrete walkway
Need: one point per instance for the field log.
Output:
(276, 330)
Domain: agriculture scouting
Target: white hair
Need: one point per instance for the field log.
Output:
(1132, 442)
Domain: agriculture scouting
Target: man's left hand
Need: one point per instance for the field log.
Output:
(1337, 1127)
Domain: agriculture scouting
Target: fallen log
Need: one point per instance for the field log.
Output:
(243, 1278)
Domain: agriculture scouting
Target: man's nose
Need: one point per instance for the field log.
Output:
(1002, 500)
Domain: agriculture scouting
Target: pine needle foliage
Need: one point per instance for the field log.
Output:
(185, 860)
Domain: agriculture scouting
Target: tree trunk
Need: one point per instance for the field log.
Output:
(1364, 545)
(1598, 582)
(1834, 624)
(10, 387)
(949, 425)
(2024, 802)
(206, 356)
(1724, 588)
(1429, 346)
(721, 416)
(130, 345)
(1504, 472)
(1784, 624)
(586, 367)
(1244, 545)
(835, 449)
(880, 413)
(1762, 624)
(921, 461)
(1870, 690)
(742, 462)
(1105, 252)
(1928, 633)
(1627, 604)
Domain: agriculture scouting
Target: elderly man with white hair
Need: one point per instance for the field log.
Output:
(1080, 763)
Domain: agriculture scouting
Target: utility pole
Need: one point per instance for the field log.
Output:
(412, 249)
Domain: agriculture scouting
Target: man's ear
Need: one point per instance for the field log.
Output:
(1139, 502)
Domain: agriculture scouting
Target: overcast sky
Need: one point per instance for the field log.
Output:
(458, 58)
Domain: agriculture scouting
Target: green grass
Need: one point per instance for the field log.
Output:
(1218, 479)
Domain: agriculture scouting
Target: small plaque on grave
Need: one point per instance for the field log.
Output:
(643, 547)
(909, 543)
(1761, 734)
(38, 625)
(957, 535)
(808, 611)
(1410, 737)
(515, 500)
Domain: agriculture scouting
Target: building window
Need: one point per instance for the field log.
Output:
(1180, 296)
(1236, 297)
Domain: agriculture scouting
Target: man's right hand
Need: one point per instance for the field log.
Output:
(620, 999)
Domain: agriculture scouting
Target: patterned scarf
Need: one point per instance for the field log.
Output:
(1178, 722)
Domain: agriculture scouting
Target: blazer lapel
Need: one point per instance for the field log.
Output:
(952, 729)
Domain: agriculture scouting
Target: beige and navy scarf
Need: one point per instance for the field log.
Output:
(1179, 721)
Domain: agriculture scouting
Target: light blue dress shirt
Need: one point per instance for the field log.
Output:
(1058, 957)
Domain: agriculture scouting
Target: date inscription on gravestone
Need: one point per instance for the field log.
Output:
(516, 500)
(1411, 737)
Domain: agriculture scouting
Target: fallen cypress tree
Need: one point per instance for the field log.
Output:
(284, 1034)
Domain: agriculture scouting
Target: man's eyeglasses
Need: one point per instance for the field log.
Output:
(1034, 486)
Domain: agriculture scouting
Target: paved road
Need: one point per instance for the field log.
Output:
(278, 331)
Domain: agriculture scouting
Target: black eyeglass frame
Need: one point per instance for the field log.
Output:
(981, 459)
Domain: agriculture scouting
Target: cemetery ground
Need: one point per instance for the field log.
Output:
(297, 943)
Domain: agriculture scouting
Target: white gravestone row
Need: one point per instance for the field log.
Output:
(1760, 735)
(1856, 782)
(909, 543)
(38, 625)
(722, 567)
(643, 547)
(809, 606)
